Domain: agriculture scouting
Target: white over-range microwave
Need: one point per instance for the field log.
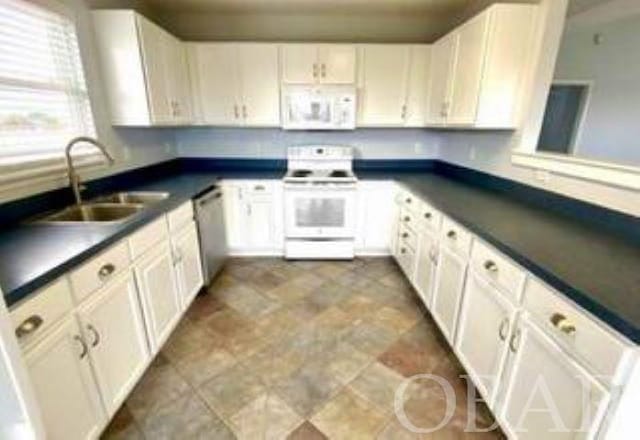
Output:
(324, 107)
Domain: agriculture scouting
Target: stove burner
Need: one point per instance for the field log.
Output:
(338, 173)
(301, 173)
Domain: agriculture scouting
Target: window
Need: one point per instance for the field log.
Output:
(43, 95)
(563, 118)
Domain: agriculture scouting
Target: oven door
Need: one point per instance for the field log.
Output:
(320, 212)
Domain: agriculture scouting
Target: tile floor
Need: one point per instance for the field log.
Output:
(300, 350)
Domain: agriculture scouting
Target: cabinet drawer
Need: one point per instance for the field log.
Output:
(257, 188)
(583, 335)
(180, 216)
(408, 200)
(409, 219)
(406, 259)
(455, 237)
(430, 217)
(145, 238)
(407, 237)
(99, 270)
(36, 315)
(498, 269)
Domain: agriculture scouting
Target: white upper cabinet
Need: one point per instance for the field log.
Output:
(393, 81)
(478, 69)
(235, 83)
(318, 63)
(144, 68)
(383, 77)
(418, 87)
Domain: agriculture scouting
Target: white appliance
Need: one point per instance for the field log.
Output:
(324, 107)
(320, 203)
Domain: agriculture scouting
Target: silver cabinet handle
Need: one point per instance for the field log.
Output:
(83, 345)
(28, 326)
(403, 250)
(315, 70)
(405, 235)
(106, 271)
(514, 342)
(407, 219)
(490, 266)
(408, 200)
(236, 111)
(259, 188)
(452, 234)
(427, 215)
(503, 330)
(96, 335)
(404, 112)
(324, 70)
(562, 323)
(244, 111)
(178, 257)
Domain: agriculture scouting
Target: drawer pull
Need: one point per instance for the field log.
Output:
(96, 335)
(83, 345)
(28, 326)
(563, 324)
(514, 342)
(408, 200)
(258, 188)
(403, 250)
(503, 330)
(106, 271)
(491, 266)
(452, 234)
(427, 215)
(177, 256)
(405, 235)
(407, 219)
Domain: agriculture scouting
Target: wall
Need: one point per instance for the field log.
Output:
(132, 147)
(272, 142)
(611, 130)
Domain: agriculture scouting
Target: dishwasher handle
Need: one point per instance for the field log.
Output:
(209, 197)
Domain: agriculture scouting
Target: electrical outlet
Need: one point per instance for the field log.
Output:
(543, 175)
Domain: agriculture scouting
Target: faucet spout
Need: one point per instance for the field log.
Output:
(74, 178)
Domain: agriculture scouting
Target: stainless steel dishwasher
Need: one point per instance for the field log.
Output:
(213, 241)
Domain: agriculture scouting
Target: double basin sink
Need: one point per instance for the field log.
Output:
(112, 208)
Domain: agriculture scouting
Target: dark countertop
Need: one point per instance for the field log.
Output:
(32, 255)
(599, 271)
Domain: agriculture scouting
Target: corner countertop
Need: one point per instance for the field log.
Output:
(33, 255)
(596, 269)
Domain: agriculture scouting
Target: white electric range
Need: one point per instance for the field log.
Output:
(320, 203)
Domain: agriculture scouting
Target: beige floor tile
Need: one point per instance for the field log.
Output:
(346, 362)
(370, 338)
(392, 319)
(267, 418)
(378, 384)
(231, 390)
(288, 292)
(307, 431)
(348, 416)
(201, 367)
(158, 386)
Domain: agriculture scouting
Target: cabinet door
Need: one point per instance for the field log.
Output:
(417, 93)
(547, 394)
(299, 63)
(447, 294)
(425, 269)
(337, 63)
(481, 345)
(113, 328)
(235, 215)
(156, 280)
(467, 72)
(260, 222)
(384, 76)
(177, 77)
(61, 376)
(153, 43)
(216, 83)
(186, 247)
(376, 222)
(258, 65)
(442, 60)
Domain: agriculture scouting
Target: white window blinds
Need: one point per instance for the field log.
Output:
(43, 95)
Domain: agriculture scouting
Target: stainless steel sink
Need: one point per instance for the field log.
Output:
(94, 213)
(138, 197)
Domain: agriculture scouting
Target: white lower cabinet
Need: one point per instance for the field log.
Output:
(114, 332)
(547, 394)
(376, 220)
(426, 265)
(483, 332)
(188, 264)
(156, 281)
(64, 386)
(450, 276)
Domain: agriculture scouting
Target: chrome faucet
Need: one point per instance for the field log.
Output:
(74, 179)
